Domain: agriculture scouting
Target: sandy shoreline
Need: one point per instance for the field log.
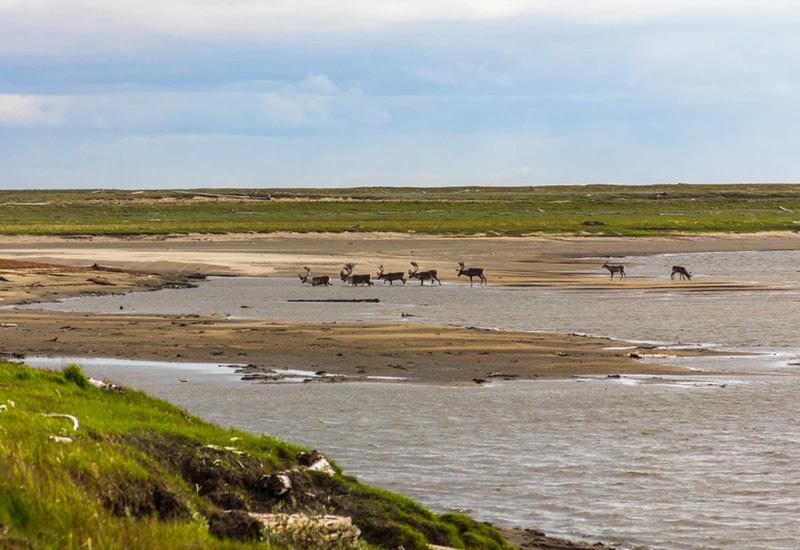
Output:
(420, 353)
(529, 261)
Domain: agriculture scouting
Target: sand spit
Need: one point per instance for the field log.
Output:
(23, 281)
(417, 353)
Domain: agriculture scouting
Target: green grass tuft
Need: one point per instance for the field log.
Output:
(74, 374)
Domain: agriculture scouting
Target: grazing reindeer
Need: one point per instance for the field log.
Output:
(430, 275)
(322, 280)
(472, 272)
(682, 271)
(391, 277)
(347, 276)
(615, 269)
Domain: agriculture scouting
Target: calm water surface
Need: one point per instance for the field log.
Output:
(679, 463)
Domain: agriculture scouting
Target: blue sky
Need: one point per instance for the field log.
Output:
(144, 93)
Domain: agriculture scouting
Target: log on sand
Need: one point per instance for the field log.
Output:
(343, 300)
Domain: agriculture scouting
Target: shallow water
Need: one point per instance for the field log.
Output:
(682, 462)
(744, 319)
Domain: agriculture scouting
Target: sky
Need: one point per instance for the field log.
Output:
(321, 93)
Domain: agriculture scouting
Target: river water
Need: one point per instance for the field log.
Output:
(684, 462)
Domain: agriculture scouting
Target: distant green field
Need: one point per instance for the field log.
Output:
(581, 210)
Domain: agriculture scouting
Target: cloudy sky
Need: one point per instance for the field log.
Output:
(166, 93)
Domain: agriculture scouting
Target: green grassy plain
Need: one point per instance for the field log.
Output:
(140, 473)
(493, 211)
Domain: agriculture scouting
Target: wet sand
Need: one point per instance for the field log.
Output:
(23, 282)
(417, 353)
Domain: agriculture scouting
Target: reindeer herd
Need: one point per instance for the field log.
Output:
(365, 279)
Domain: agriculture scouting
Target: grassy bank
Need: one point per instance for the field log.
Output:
(590, 210)
(140, 473)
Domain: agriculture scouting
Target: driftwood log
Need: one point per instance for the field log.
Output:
(75, 423)
(341, 301)
(332, 528)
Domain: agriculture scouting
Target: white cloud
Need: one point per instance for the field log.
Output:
(466, 75)
(31, 110)
(311, 103)
(716, 65)
(182, 17)
(318, 83)
(316, 102)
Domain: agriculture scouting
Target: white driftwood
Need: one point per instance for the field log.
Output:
(59, 439)
(322, 465)
(331, 527)
(104, 385)
(75, 423)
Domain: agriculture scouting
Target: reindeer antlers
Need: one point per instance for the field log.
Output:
(308, 269)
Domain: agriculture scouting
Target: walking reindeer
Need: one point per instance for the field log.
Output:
(430, 275)
(615, 269)
(472, 272)
(391, 277)
(681, 271)
(347, 276)
(322, 280)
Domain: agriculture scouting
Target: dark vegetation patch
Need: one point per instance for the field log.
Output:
(229, 481)
(236, 525)
(141, 498)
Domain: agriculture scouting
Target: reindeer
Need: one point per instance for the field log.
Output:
(391, 277)
(322, 280)
(615, 269)
(682, 271)
(347, 276)
(423, 276)
(472, 272)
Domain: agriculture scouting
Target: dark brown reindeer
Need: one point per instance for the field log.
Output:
(391, 277)
(615, 269)
(682, 271)
(472, 272)
(322, 280)
(347, 276)
(430, 275)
